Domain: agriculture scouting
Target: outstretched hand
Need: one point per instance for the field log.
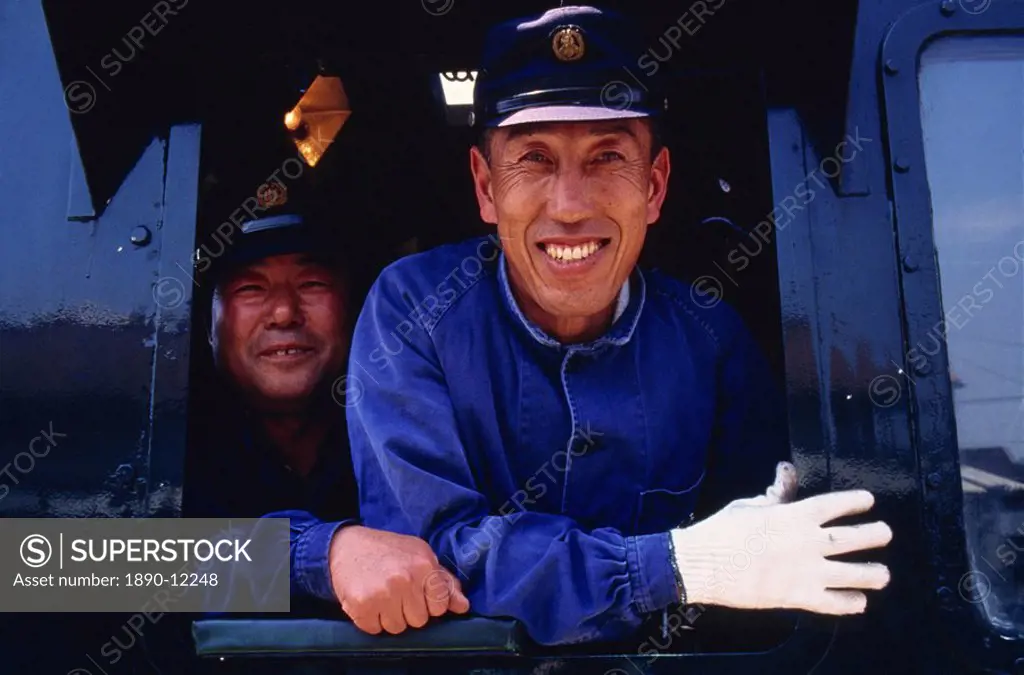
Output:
(769, 552)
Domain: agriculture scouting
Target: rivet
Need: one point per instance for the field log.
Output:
(141, 235)
(901, 165)
(934, 479)
(944, 593)
(890, 67)
(948, 7)
(909, 264)
(922, 368)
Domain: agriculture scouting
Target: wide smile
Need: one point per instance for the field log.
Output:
(573, 257)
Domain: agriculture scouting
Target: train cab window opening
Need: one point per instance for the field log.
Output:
(972, 106)
(688, 243)
(709, 235)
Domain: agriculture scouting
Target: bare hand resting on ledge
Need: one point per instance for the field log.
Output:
(386, 581)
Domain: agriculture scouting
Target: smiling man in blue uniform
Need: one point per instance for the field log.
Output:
(547, 415)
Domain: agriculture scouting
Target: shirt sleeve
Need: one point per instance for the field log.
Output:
(564, 583)
(309, 549)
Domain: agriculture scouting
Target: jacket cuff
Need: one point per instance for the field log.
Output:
(311, 569)
(649, 561)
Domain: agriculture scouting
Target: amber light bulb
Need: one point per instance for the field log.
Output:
(293, 119)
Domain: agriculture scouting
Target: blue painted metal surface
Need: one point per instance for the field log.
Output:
(88, 350)
(89, 362)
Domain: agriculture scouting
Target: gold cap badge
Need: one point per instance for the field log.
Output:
(271, 194)
(568, 44)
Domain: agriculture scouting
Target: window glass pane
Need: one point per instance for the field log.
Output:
(972, 113)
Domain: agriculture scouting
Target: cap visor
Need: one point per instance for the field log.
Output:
(261, 245)
(568, 113)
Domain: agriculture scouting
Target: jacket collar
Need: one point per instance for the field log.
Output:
(627, 312)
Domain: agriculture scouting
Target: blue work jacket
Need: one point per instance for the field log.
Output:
(545, 475)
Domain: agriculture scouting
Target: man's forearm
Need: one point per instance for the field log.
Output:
(563, 583)
(310, 545)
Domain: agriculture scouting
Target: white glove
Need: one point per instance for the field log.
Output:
(782, 491)
(765, 553)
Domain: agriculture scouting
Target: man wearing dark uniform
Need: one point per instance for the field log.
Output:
(279, 329)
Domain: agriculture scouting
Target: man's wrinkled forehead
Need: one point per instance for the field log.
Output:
(298, 260)
(294, 261)
(626, 129)
(604, 128)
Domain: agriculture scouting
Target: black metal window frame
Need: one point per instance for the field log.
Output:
(933, 416)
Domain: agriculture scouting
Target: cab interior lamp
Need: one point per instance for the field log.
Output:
(457, 89)
(317, 118)
(293, 119)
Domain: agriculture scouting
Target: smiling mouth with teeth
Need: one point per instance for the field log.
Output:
(288, 352)
(569, 254)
